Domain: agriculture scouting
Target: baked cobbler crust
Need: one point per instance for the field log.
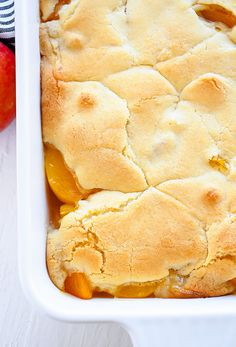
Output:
(140, 98)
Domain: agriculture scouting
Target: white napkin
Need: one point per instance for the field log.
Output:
(7, 21)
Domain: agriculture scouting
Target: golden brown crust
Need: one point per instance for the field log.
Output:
(140, 100)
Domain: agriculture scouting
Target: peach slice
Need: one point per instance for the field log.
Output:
(217, 13)
(60, 178)
(136, 290)
(65, 209)
(78, 285)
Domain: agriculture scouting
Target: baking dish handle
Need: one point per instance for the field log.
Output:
(183, 332)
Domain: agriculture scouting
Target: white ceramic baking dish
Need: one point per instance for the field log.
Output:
(151, 322)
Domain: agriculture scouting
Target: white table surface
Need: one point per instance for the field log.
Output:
(20, 324)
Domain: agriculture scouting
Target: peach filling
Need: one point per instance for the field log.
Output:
(78, 285)
(55, 14)
(53, 207)
(60, 179)
(136, 290)
(219, 163)
(217, 13)
(65, 209)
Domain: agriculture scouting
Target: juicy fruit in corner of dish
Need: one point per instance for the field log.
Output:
(65, 209)
(60, 179)
(53, 208)
(78, 285)
(7, 86)
(64, 192)
(137, 290)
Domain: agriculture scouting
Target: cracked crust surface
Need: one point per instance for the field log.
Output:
(140, 99)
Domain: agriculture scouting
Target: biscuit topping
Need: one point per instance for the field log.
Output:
(212, 197)
(86, 100)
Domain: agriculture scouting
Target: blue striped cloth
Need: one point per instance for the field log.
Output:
(7, 21)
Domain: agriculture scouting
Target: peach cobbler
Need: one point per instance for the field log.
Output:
(139, 131)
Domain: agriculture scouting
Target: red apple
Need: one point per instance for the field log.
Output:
(7, 86)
